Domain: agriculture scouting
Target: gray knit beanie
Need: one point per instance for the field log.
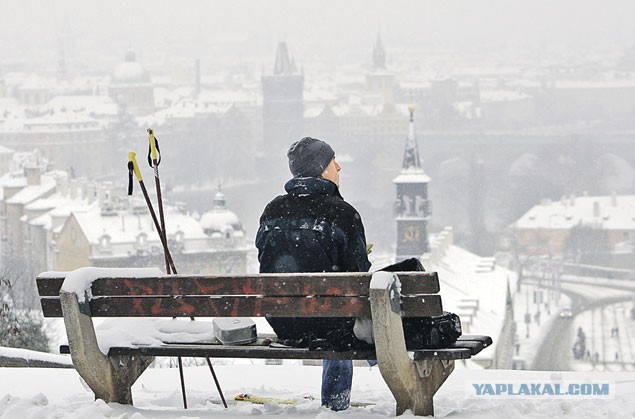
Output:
(309, 157)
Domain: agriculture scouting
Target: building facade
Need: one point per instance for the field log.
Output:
(120, 233)
(582, 229)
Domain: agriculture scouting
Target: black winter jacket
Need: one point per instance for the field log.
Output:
(311, 229)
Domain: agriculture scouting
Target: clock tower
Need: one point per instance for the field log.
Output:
(412, 207)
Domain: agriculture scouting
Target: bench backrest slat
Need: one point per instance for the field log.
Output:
(264, 284)
(48, 287)
(329, 306)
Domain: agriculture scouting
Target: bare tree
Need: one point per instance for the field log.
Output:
(21, 327)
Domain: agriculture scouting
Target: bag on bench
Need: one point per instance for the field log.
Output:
(337, 333)
(427, 332)
(432, 332)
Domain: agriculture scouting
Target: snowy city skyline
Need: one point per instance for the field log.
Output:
(493, 139)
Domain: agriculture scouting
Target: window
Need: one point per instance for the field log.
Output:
(104, 243)
(142, 240)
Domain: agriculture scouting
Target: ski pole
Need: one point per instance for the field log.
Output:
(154, 163)
(133, 167)
(211, 368)
(154, 159)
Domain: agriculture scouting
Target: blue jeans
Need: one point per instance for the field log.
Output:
(337, 380)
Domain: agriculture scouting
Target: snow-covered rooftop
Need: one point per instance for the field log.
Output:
(224, 96)
(5, 150)
(599, 84)
(506, 95)
(127, 226)
(85, 104)
(607, 212)
(220, 220)
(56, 206)
(51, 122)
(32, 192)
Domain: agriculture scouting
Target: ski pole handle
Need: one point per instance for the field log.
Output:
(153, 145)
(132, 157)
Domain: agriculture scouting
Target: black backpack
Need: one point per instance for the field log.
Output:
(432, 332)
(427, 332)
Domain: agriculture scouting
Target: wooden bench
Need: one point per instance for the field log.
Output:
(384, 297)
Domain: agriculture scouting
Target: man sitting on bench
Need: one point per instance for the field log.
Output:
(312, 229)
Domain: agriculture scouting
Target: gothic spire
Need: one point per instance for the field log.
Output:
(411, 154)
(283, 64)
(379, 54)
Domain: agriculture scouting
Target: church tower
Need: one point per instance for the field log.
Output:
(282, 103)
(379, 54)
(65, 49)
(379, 80)
(412, 207)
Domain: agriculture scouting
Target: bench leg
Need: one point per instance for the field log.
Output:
(109, 377)
(412, 383)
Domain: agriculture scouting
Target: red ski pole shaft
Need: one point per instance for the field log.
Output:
(168, 257)
(162, 236)
(134, 167)
(157, 184)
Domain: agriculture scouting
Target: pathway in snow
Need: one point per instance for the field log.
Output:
(537, 321)
(613, 346)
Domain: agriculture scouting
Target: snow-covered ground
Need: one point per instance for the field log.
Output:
(59, 393)
(530, 335)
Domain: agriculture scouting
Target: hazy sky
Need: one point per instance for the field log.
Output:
(451, 22)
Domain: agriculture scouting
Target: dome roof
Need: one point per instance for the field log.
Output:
(130, 71)
(219, 219)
